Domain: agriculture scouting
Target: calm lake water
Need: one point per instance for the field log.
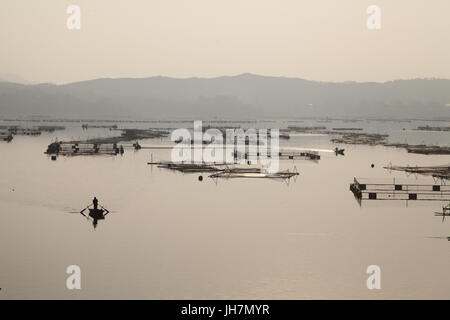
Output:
(170, 236)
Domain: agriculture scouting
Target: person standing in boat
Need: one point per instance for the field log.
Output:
(95, 202)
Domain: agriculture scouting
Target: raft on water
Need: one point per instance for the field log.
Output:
(50, 128)
(187, 167)
(423, 149)
(429, 128)
(129, 135)
(368, 190)
(218, 170)
(24, 131)
(74, 149)
(311, 129)
(361, 138)
(253, 173)
(441, 172)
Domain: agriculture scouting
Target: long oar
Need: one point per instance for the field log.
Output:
(109, 211)
(105, 210)
(83, 210)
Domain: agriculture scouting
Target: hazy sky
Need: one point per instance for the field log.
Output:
(315, 39)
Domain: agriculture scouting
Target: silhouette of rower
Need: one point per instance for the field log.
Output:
(95, 214)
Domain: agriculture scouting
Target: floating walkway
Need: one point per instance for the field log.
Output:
(397, 191)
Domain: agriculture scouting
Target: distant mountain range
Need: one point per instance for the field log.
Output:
(245, 96)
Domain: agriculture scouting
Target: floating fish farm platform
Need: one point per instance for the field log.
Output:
(396, 191)
(440, 172)
(74, 149)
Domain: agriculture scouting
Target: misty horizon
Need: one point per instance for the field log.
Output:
(13, 78)
(243, 96)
